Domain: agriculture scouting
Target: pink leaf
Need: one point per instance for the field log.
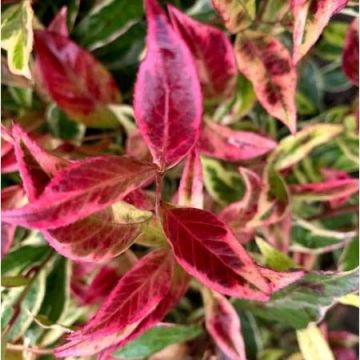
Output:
(136, 147)
(310, 19)
(191, 182)
(8, 159)
(58, 23)
(81, 189)
(350, 58)
(36, 166)
(208, 250)
(224, 143)
(75, 80)
(135, 297)
(223, 324)
(212, 52)
(266, 62)
(11, 197)
(167, 103)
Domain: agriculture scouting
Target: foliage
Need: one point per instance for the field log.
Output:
(179, 179)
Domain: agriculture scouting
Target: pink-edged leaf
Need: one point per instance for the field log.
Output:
(135, 297)
(81, 189)
(238, 214)
(140, 199)
(212, 52)
(36, 166)
(59, 23)
(266, 62)
(326, 190)
(350, 57)
(223, 324)
(224, 143)
(75, 80)
(208, 250)
(167, 103)
(11, 197)
(100, 236)
(310, 19)
(191, 183)
(179, 285)
(8, 158)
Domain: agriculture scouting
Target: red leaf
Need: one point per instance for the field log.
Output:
(59, 23)
(350, 58)
(167, 103)
(207, 250)
(36, 166)
(81, 189)
(11, 197)
(96, 238)
(310, 19)
(136, 147)
(224, 143)
(75, 80)
(223, 324)
(266, 62)
(212, 51)
(191, 182)
(135, 297)
(8, 159)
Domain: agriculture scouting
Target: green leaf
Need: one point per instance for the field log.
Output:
(29, 307)
(350, 257)
(313, 345)
(63, 127)
(56, 297)
(224, 185)
(274, 258)
(156, 339)
(294, 148)
(307, 300)
(108, 21)
(14, 281)
(22, 257)
(17, 37)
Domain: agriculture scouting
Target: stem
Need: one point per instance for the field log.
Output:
(33, 350)
(159, 181)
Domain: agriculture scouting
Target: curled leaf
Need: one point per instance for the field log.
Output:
(266, 62)
(167, 103)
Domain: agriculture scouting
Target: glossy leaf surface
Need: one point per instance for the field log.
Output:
(167, 103)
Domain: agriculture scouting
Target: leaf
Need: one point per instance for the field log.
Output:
(36, 166)
(111, 20)
(135, 296)
(57, 297)
(191, 182)
(19, 259)
(17, 37)
(314, 294)
(226, 144)
(310, 19)
(223, 324)
(350, 258)
(75, 80)
(266, 62)
(31, 303)
(212, 52)
(350, 299)
(274, 258)
(59, 23)
(326, 191)
(313, 345)
(156, 339)
(168, 105)
(207, 250)
(100, 236)
(294, 148)
(14, 281)
(237, 15)
(350, 57)
(223, 185)
(81, 189)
